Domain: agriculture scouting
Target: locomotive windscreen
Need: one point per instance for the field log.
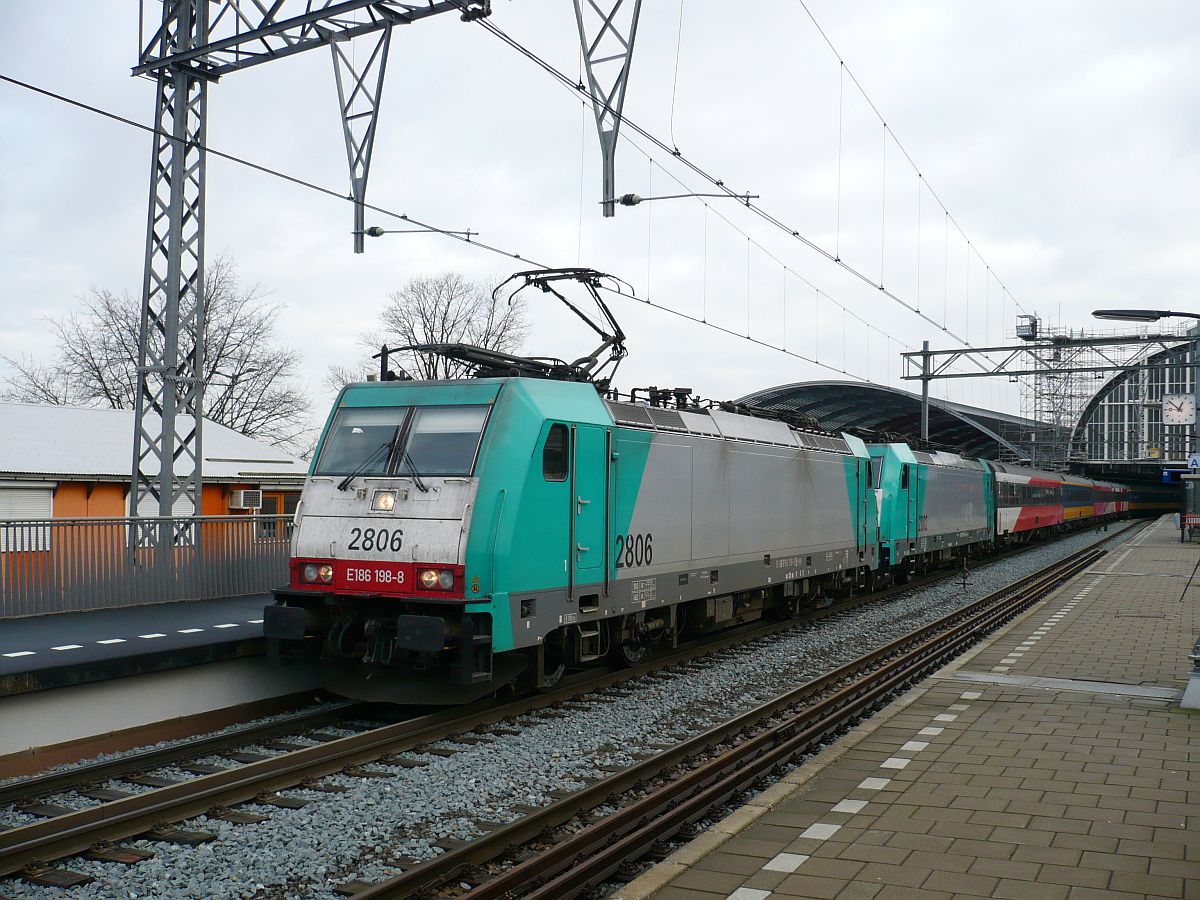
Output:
(359, 440)
(443, 439)
(435, 440)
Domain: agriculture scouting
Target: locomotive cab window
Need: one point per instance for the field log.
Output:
(554, 454)
(435, 440)
(904, 476)
(443, 440)
(359, 440)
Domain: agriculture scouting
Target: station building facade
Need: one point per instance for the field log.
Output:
(1122, 428)
(62, 462)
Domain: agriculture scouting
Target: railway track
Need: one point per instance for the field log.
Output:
(37, 786)
(25, 848)
(735, 755)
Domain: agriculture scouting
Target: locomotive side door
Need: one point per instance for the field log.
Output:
(908, 485)
(589, 508)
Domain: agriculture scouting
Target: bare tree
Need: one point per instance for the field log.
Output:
(250, 382)
(337, 377)
(440, 309)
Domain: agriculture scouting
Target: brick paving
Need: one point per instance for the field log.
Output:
(1053, 761)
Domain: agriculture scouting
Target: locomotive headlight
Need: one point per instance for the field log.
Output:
(383, 501)
(315, 573)
(436, 579)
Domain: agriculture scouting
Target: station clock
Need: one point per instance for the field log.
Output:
(1179, 409)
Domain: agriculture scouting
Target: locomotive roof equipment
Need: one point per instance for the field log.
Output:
(481, 362)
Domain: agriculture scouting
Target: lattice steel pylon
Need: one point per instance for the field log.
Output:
(196, 43)
(167, 447)
(606, 37)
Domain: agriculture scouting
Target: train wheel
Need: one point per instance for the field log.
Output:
(631, 644)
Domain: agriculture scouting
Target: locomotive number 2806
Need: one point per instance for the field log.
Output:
(381, 539)
(634, 550)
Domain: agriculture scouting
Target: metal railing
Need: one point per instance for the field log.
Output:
(67, 565)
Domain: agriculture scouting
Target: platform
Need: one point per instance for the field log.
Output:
(1052, 761)
(40, 652)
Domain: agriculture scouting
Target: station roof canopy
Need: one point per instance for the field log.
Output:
(850, 405)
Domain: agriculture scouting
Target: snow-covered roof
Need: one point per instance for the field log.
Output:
(76, 442)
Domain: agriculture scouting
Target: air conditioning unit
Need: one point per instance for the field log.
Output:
(246, 500)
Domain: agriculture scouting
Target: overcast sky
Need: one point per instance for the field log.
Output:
(1062, 137)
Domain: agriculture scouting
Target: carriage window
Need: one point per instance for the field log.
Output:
(554, 454)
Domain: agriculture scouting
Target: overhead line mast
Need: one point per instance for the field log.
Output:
(196, 43)
(606, 37)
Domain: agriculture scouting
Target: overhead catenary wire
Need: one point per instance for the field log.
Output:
(675, 80)
(879, 115)
(631, 125)
(462, 237)
(764, 250)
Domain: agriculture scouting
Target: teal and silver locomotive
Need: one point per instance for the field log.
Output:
(455, 534)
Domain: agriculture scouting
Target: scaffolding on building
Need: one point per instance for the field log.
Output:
(1062, 373)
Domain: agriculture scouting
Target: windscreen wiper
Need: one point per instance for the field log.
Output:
(416, 476)
(375, 457)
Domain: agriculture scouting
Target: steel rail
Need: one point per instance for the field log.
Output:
(141, 760)
(935, 641)
(70, 834)
(635, 829)
(61, 836)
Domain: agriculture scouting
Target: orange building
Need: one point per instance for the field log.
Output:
(67, 462)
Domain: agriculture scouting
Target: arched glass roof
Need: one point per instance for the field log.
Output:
(848, 405)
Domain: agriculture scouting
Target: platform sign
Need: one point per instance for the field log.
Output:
(1194, 461)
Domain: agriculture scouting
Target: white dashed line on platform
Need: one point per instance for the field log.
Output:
(849, 806)
(254, 621)
(147, 637)
(745, 893)
(112, 641)
(19, 653)
(820, 831)
(227, 625)
(68, 647)
(785, 862)
(189, 630)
